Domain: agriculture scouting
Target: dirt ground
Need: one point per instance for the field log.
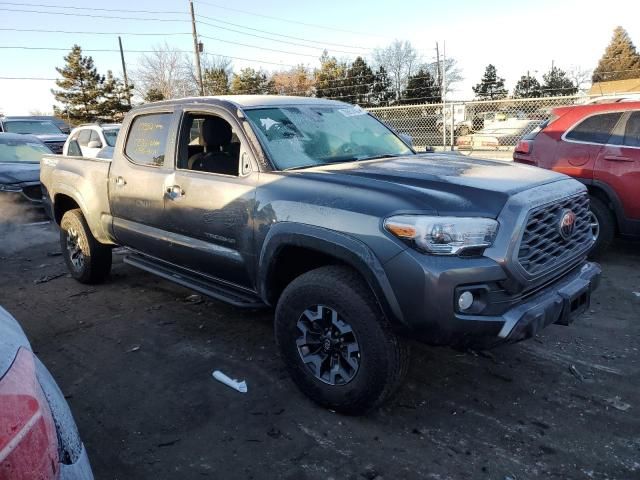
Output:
(134, 358)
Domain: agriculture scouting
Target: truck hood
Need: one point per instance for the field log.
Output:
(52, 137)
(450, 184)
(19, 173)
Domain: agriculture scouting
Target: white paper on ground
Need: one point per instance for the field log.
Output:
(230, 382)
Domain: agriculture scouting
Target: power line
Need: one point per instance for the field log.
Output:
(259, 47)
(280, 34)
(69, 14)
(33, 30)
(324, 27)
(274, 39)
(92, 8)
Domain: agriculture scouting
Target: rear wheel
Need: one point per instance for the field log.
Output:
(88, 260)
(337, 345)
(603, 227)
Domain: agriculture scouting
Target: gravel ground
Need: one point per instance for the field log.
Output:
(134, 357)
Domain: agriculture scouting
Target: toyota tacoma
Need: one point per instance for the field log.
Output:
(316, 208)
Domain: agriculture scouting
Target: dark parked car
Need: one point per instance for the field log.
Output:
(317, 208)
(598, 144)
(38, 436)
(58, 122)
(45, 130)
(20, 157)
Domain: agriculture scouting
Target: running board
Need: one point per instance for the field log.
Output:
(203, 285)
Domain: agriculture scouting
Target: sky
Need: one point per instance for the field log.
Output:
(515, 36)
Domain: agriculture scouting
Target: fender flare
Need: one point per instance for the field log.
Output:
(345, 248)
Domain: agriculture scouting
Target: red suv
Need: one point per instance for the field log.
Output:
(599, 145)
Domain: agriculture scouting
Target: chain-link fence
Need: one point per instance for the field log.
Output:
(482, 128)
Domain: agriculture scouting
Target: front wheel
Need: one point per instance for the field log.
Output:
(603, 227)
(88, 260)
(337, 345)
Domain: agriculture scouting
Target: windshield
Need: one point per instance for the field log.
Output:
(20, 151)
(304, 136)
(34, 127)
(110, 136)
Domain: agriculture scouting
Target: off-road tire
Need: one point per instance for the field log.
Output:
(384, 356)
(607, 227)
(96, 257)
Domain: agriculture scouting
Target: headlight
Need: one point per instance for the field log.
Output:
(443, 235)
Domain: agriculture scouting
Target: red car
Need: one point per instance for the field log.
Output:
(38, 436)
(598, 144)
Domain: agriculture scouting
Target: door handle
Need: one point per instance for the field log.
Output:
(617, 158)
(120, 181)
(174, 192)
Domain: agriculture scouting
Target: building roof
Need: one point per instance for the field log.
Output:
(615, 86)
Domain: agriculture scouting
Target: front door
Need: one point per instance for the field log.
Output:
(137, 180)
(210, 198)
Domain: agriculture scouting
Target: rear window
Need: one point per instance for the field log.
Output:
(147, 139)
(632, 131)
(595, 129)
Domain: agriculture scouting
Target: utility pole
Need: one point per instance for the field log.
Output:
(124, 71)
(196, 48)
(443, 90)
(439, 79)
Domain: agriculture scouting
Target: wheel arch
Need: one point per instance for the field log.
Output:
(291, 249)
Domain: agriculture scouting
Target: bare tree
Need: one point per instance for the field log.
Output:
(399, 59)
(452, 72)
(165, 70)
(296, 81)
(580, 76)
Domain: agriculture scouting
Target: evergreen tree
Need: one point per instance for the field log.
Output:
(422, 88)
(358, 83)
(556, 83)
(491, 87)
(251, 82)
(153, 95)
(620, 60)
(527, 87)
(215, 81)
(80, 86)
(381, 93)
(330, 77)
(115, 98)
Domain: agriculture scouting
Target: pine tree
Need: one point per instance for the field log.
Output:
(330, 77)
(115, 101)
(527, 87)
(215, 81)
(491, 87)
(153, 95)
(80, 86)
(556, 83)
(381, 93)
(251, 82)
(422, 88)
(620, 60)
(358, 83)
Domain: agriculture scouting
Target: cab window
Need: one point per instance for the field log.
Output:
(147, 139)
(208, 143)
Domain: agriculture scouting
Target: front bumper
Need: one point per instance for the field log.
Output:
(425, 288)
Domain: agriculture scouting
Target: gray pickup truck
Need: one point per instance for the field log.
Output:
(318, 209)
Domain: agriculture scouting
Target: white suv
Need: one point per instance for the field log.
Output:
(92, 140)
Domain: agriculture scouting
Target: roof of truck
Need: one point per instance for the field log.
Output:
(248, 101)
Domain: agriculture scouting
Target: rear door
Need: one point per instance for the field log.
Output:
(582, 144)
(140, 169)
(618, 164)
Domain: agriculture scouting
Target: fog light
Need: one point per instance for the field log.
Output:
(465, 300)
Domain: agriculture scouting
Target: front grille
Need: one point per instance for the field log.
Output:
(33, 193)
(543, 246)
(56, 147)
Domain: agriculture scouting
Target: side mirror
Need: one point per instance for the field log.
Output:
(406, 138)
(94, 144)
